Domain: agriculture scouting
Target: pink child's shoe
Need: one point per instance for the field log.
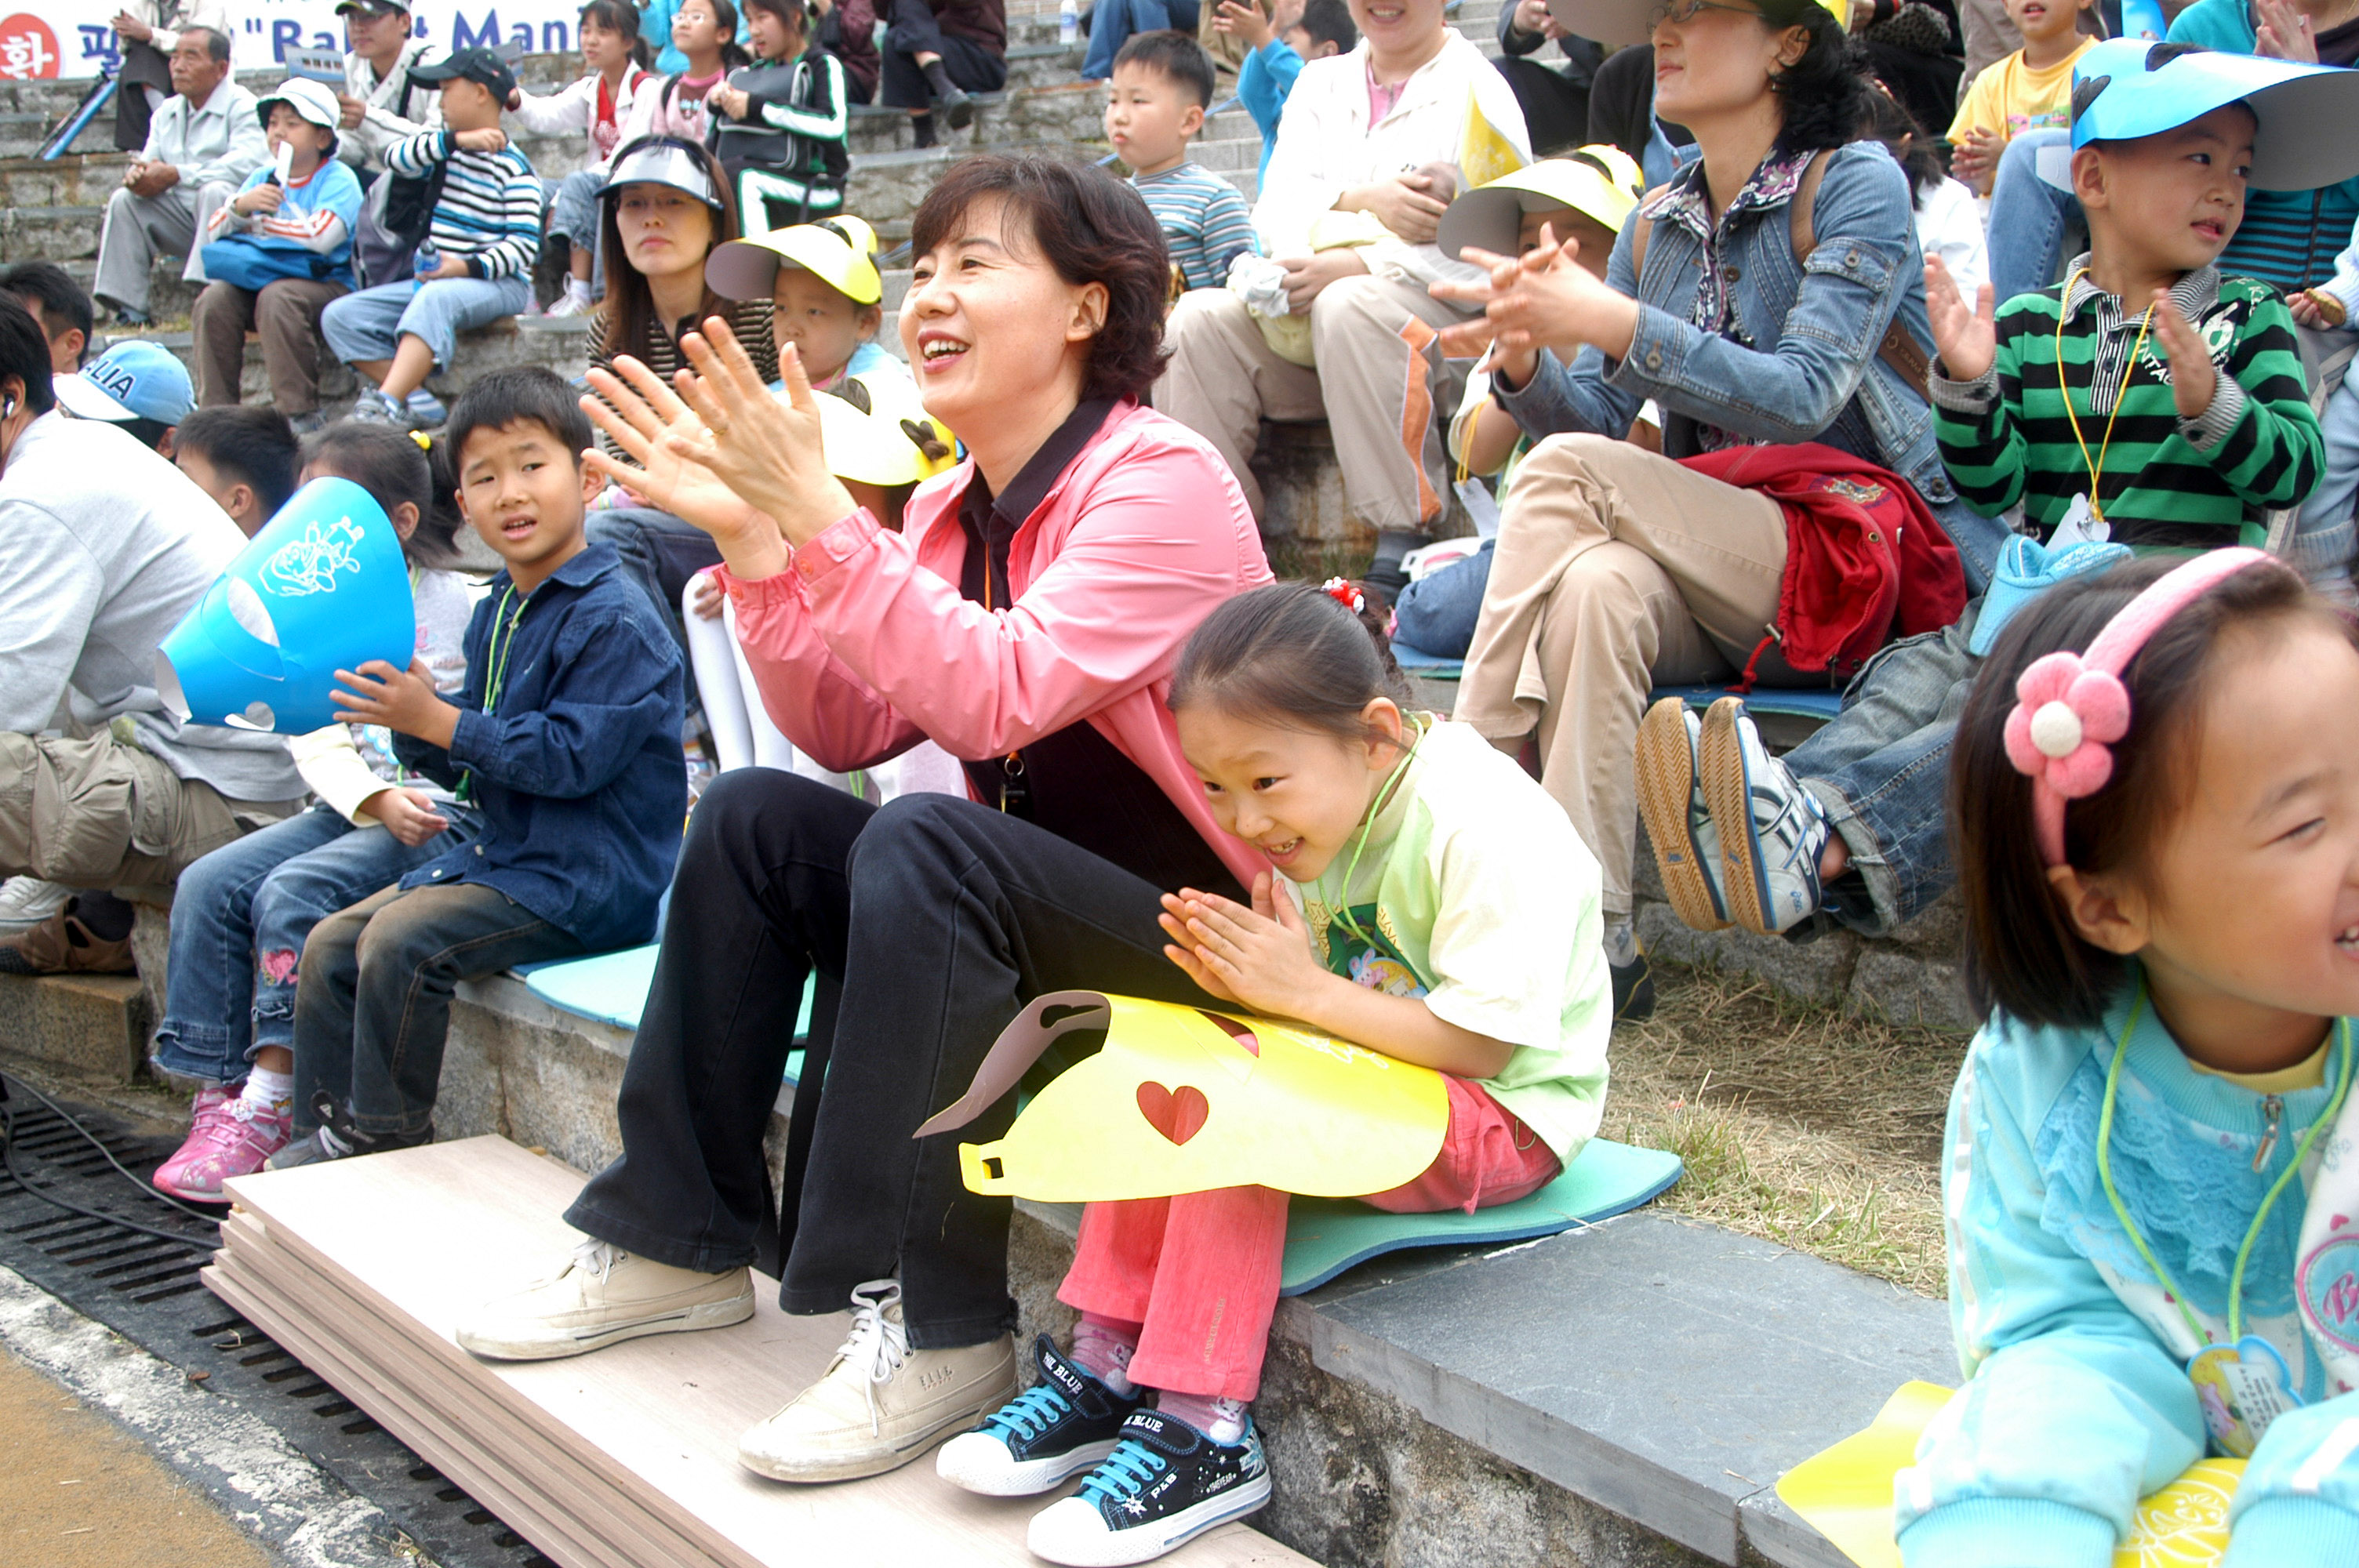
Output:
(228, 1137)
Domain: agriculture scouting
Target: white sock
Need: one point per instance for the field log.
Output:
(577, 288)
(1620, 944)
(267, 1090)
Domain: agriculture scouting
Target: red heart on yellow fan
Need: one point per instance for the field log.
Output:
(1177, 1116)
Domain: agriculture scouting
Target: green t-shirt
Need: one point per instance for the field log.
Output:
(1481, 899)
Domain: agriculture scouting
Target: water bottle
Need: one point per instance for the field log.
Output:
(1068, 23)
(430, 256)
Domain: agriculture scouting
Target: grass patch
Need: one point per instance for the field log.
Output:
(1803, 1126)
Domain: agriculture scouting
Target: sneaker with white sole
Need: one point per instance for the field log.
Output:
(27, 902)
(1164, 1486)
(1678, 823)
(372, 408)
(229, 1136)
(603, 1296)
(1064, 1423)
(1772, 830)
(880, 1403)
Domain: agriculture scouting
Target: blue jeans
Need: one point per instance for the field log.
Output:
(1882, 770)
(1112, 22)
(2326, 537)
(574, 214)
(1436, 614)
(2027, 217)
(371, 324)
(239, 919)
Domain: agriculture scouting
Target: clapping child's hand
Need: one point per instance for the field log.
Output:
(1259, 957)
(2193, 380)
(1966, 338)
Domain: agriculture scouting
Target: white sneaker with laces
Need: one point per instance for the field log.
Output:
(574, 301)
(602, 1296)
(1678, 823)
(880, 1403)
(1772, 830)
(27, 902)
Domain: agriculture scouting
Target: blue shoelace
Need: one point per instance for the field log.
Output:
(1125, 1472)
(1030, 1413)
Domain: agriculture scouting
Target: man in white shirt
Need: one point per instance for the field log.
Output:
(380, 105)
(203, 141)
(1358, 129)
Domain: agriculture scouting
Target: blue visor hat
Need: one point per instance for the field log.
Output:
(2127, 88)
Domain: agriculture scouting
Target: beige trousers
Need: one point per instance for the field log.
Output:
(1616, 570)
(1224, 380)
(100, 813)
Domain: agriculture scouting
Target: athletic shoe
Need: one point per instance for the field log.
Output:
(421, 411)
(1634, 988)
(373, 407)
(26, 901)
(880, 1403)
(1772, 830)
(62, 945)
(338, 1139)
(1165, 1484)
(573, 304)
(232, 1137)
(1063, 1424)
(602, 1296)
(1678, 823)
(132, 318)
(955, 107)
(306, 424)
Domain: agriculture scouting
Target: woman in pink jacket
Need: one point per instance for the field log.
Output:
(1028, 620)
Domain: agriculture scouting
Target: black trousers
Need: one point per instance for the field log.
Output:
(1556, 107)
(942, 918)
(144, 65)
(911, 30)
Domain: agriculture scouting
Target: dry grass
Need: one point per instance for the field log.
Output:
(1800, 1125)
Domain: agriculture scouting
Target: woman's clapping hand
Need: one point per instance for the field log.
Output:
(659, 435)
(1541, 299)
(764, 446)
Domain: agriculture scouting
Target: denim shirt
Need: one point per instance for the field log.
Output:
(577, 769)
(1798, 361)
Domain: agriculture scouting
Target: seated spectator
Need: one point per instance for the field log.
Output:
(201, 146)
(702, 33)
(658, 24)
(780, 124)
(59, 304)
(2030, 90)
(1352, 125)
(109, 548)
(148, 32)
(277, 255)
(566, 739)
(1155, 107)
(382, 104)
(1114, 22)
(847, 29)
(600, 105)
(485, 232)
(1617, 568)
(937, 53)
(138, 386)
(1276, 49)
(241, 914)
(1555, 99)
(1912, 52)
(826, 294)
(243, 458)
(1949, 223)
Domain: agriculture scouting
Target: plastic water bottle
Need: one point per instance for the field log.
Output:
(430, 256)
(1068, 23)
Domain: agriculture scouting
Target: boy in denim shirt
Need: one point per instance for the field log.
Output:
(566, 737)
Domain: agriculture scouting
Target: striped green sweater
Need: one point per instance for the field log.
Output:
(2166, 481)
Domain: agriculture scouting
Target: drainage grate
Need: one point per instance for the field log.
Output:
(147, 1288)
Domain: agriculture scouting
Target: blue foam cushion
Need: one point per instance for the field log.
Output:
(612, 987)
(1804, 702)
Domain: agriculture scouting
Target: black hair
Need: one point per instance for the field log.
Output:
(1295, 655)
(1889, 121)
(1172, 54)
(1824, 93)
(791, 12)
(619, 16)
(148, 433)
(65, 304)
(1330, 22)
(216, 42)
(2023, 953)
(254, 445)
(395, 466)
(519, 394)
(1091, 228)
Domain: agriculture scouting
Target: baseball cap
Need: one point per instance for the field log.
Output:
(841, 252)
(372, 7)
(2129, 88)
(476, 65)
(1601, 182)
(136, 379)
(313, 100)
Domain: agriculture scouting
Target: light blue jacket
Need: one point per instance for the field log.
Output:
(1263, 82)
(2078, 1403)
(1806, 367)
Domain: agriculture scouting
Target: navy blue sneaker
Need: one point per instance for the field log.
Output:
(1165, 1484)
(1064, 1423)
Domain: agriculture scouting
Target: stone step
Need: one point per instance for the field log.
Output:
(85, 1026)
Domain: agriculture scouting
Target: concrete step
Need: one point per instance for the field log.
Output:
(84, 1026)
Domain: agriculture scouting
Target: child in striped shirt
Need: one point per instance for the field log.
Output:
(476, 263)
(1162, 84)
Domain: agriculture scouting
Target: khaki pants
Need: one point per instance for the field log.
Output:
(100, 813)
(287, 316)
(1616, 570)
(137, 229)
(1379, 335)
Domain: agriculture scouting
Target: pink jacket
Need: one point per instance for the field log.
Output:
(866, 647)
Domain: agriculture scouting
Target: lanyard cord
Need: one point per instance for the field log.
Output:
(2121, 393)
(497, 680)
(2253, 1233)
(1376, 807)
(1011, 766)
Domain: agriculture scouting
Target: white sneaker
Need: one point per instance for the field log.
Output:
(880, 1403)
(27, 902)
(1678, 823)
(574, 301)
(603, 1296)
(1772, 830)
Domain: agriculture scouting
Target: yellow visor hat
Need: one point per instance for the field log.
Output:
(841, 252)
(1601, 182)
(875, 431)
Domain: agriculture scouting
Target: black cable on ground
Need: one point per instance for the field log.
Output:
(9, 1164)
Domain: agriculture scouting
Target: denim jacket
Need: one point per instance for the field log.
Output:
(1798, 361)
(576, 766)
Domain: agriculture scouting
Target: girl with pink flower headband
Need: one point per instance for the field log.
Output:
(2151, 1172)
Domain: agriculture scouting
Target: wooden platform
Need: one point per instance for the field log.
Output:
(621, 1459)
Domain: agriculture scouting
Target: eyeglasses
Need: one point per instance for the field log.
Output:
(1685, 11)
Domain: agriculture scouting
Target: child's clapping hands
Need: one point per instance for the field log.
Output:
(402, 700)
(1259, 958)
(1965, 337)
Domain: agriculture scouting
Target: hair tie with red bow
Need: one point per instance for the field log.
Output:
(1344, 594)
